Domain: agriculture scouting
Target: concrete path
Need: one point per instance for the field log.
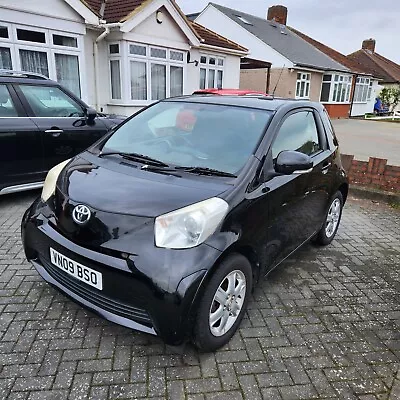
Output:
(367, 139)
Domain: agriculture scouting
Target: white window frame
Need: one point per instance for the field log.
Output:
(10, 34)
(49, 48)
(363, 90)
(209, 67)
(342, 79)
(8, 45)
(305, 77)
(126, 57)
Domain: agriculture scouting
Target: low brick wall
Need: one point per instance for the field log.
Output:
(374, 173)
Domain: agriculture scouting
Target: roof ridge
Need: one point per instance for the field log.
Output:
(239, 11)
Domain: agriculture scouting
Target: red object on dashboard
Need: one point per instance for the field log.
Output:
(230, 92)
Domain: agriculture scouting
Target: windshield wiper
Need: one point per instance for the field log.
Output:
(134, 157)
(206, 171)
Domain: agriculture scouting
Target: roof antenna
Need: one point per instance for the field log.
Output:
(277, 82)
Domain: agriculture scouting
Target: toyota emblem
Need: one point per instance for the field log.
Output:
(81, 214)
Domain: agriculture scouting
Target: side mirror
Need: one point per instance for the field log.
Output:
(90, 115)
(289, 162)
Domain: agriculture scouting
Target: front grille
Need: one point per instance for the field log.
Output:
(97, 298)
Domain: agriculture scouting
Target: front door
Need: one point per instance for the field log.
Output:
(292, 200)
(21, 153)
(61, 121)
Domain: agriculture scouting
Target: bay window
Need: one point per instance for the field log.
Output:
(336, 88)
(363, 90)
(303, 85)
(153, 73)
(211, 72)
(43, 51)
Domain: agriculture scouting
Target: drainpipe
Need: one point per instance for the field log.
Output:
(101, 37)
(353, 91)
(96, 65)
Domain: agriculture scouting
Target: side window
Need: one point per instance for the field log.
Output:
(329, 126)
(48, 101)
(298, 132)
(7, 108)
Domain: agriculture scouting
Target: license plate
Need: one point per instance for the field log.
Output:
(78, 271)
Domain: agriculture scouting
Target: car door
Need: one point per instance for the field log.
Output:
(291, 216)
(21, 152)
(61, 120)
(321, 179)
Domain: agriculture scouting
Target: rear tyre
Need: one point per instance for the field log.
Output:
(223, 304)
(332, 220)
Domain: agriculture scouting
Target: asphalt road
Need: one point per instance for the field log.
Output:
(324, 325)
(367, 139)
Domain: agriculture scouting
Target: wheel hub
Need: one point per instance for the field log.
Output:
(227, 303)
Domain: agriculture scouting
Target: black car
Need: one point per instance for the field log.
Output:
(166, 224)
(41, 124)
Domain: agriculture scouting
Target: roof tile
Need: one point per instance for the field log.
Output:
(351, 64)
(382, 67)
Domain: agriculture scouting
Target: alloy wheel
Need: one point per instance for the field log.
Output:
(332, 219)
(227, 303)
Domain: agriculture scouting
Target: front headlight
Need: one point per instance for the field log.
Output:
(49, 187)
(190, 226)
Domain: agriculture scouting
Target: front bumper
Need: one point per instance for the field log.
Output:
(134, 294)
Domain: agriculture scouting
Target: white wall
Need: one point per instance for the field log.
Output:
(218, 22)
(53, 8)
(359, 109)
(88, 73)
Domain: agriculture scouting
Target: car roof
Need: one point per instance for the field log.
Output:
(12, 76)
(227, 92)
(262, 102)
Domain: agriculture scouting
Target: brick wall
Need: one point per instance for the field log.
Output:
(338, 110)
(374, 173)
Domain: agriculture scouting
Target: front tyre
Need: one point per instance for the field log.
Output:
(224, 303)
(332, 220)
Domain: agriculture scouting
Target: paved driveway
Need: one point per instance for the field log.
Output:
(367, 139)
(324, 325)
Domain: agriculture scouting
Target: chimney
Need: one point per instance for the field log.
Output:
(369, 44)
(278, 14)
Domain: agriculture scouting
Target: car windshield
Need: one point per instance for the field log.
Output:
(180, 133)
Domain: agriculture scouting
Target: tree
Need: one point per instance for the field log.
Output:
(390, 97)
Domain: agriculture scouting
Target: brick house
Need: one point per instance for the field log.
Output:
(117, 55)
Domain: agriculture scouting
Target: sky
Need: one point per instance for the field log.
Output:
(340, 24)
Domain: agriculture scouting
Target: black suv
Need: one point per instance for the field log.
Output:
(41, 124)
(165, 224)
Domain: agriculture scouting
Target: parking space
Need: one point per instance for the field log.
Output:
(326, 324)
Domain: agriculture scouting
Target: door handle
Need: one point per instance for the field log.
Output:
(54, 132)
(325, 168)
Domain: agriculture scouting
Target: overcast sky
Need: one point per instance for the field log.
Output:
(341, 24)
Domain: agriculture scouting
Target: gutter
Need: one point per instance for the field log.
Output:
(225, 50)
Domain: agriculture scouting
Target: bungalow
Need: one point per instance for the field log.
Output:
(118, 55)
(301, 68)
(380, 66)
(365, 82)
